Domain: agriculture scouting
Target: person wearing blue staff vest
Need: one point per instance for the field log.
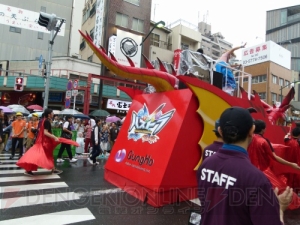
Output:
(231, 190)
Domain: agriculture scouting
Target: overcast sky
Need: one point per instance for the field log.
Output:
(238, 21)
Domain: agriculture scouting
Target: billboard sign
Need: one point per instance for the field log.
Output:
(267, 51)
(128, 44)
(18, 17)
(99, 22)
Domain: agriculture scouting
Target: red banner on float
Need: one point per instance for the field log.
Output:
(176, 59)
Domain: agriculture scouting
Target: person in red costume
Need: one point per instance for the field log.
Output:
(293, 155)
(263, 156)
(41, 153)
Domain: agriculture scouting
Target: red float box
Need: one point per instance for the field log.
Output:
(157, 148)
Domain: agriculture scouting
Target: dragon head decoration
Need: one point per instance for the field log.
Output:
(160, 144)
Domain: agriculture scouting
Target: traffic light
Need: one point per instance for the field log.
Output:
(19, 82)
(47, 20)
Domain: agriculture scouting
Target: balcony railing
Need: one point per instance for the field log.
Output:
(161, 44)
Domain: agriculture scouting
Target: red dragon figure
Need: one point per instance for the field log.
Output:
(160, 144)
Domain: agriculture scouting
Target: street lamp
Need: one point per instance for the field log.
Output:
(159, 24)
(294, 82)
(49, 21)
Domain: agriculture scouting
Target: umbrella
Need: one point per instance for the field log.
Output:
(39, 114)
(6, 109)
(80, 116)
(56, 112)
(19, 108)
(35, 107)
(112, 119)
(69, 112)
(99, 112)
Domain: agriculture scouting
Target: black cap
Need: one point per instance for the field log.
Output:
(217, 124)
(237, 117)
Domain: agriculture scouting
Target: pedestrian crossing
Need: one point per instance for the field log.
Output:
(29, 199)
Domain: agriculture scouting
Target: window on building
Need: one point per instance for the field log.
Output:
(135, 2)
(262, 78)
(155, 39)
(138, 25)
(254, 80)
(85, 15)
(274, 97)
(15, 29)
(92, 33)
(121, 20)
(82, 45)
(245, 79)
(274, 79)
(90, 59)
(280, 98)
(287, 83)
(43, 9)
(262, 95)
(184, 46)
(281, 82)
(283, 16)
(93, 10)
(40, 35)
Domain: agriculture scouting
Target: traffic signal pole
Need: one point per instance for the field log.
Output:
(49, 62)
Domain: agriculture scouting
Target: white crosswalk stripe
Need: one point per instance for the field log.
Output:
(9, 161)
(37, 199)
(59, 218)
(8, 166)
(21, 171)
(11, 197)
(23, 178)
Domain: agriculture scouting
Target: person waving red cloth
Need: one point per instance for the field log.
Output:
(41, 153)
(263, 155)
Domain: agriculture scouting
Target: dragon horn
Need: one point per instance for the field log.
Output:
(88, 36)
(161, 81)
(130, 61)
(173, 70)
(113, 57)
(147, 62)
(161, 66)
(103, 49)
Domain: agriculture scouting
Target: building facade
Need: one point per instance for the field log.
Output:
(22, 38)
(129, 16)
(283, 27)
(213, 45)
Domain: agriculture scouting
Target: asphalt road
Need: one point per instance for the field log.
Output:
(80, 195)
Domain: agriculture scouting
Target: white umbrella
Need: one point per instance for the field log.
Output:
(39, 114)
(19, 108)
(69, 112)
(56, 112)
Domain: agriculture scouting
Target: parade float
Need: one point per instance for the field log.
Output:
(159, 147)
